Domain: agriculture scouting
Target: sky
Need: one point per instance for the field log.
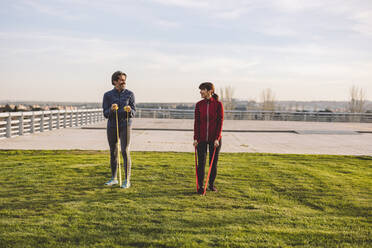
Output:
(302, 50)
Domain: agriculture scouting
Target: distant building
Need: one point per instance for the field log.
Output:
(22, 107)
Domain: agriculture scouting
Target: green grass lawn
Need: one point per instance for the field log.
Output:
(57, 199)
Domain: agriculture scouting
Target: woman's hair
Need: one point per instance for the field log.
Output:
(208, 86)
(116, 75)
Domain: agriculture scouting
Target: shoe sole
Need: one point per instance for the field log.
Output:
(111, 184)
(208, 189)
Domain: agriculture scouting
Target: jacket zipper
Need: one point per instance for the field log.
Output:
(119, 107)
(207, 119)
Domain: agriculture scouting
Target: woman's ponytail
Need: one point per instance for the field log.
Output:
(215, 96)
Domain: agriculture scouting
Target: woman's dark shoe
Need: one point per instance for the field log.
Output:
(212, 188)
(201, 191)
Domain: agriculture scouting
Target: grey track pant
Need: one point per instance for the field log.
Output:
(124, 142)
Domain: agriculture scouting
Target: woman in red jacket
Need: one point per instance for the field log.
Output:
(207, 132)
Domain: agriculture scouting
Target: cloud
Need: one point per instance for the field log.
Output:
(64, 49)
(56, 9)
(184, 3)
(205, 65)
(231, 14)
(211, 8)
(162, 23)
(185, 41)
(363, 23)
(296, 5)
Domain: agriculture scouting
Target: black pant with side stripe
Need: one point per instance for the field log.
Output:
(202, 155)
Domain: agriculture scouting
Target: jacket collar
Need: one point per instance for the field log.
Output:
(117, 92)
(210, 100)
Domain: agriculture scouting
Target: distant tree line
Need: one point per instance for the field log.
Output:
(356, 104)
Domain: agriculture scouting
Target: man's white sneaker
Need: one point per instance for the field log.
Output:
(111, 182)
(125, 185)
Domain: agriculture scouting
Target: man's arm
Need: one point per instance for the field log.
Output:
(106, 105)
(132, 104)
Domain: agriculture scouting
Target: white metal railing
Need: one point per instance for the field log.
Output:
(20, 123)
(260, 115)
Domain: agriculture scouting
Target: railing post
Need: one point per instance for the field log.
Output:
(9, 126)
(50, 120)
(32, 124)
(65, 119)
(58, 118)
(42, 122)
(81, 118)
(76, 118)
(71, 118)
(20, 125)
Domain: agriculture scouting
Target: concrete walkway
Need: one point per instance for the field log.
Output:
(238, 136)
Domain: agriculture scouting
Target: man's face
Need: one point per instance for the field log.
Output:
(120, 83)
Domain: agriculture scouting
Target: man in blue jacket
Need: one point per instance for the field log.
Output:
(121, 101)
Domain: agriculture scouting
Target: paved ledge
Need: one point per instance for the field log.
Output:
(332, 132)
(191, 130)
(241, 126)
(340, 132)
(155, 137)
(250, 126)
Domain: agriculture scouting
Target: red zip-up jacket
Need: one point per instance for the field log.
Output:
(208, 120)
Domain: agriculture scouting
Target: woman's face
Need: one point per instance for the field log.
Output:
(206, 94)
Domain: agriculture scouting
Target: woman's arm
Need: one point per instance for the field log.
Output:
(219, 120)
(197, 123)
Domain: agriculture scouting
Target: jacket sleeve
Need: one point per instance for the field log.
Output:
(220, 114)
(197, 123)
(132, 104)
(106, 106)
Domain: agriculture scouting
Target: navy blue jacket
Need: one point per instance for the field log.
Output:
(123, 98)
